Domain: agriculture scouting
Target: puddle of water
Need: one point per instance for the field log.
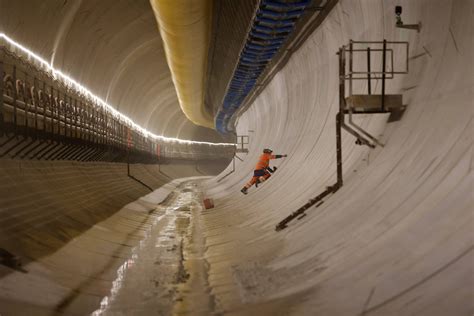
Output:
(117, 284)
(148, 282)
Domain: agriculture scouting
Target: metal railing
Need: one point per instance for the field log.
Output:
(241, 147)
(384, 50)
(369, 48)
(346, 73)
(44, 118)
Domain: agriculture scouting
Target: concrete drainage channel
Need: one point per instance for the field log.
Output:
(166, 273)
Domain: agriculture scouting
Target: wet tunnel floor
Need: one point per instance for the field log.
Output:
(166, 272)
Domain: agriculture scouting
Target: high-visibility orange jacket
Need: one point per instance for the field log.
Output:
(264, 161)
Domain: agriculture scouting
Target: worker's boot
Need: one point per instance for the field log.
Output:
(244, 190)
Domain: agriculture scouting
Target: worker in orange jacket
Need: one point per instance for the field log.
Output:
(262, 170)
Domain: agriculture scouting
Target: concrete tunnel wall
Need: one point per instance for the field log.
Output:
(72, 224)
(397, 238)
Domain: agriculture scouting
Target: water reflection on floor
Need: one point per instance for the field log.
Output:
(166, 270)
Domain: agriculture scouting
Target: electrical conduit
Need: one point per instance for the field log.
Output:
(185, 27)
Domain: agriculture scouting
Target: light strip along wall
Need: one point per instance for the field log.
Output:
(58, 75)
(185, 27)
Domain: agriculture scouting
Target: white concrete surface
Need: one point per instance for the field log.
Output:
(127, 259)
(397, 239)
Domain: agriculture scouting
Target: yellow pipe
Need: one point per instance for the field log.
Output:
(185, 27)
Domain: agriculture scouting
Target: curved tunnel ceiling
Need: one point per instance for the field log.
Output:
(111, 47)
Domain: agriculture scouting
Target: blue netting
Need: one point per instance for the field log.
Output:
(273, 23)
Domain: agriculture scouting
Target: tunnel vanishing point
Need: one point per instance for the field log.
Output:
(128, 129)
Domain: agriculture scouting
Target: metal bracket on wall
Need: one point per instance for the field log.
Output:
(387, 103)
(240, 147)
(232, 171)
(369, 103)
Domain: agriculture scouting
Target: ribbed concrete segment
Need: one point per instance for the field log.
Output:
(397, 238)
(68, 229)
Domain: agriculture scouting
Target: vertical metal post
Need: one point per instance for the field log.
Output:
(65, 114)
(70, 113)
(71, 116)
(339, 118)
(45, 114)
(81, 120)
(52, 107)
(350, 67)
(2, 74)
(128, 162)
(102, 126)
(106, 124)
(97, 124)
(25, 102)
(15, 97)
(106, 128)
(76, 112)
(93, 119)
(233, 163)
(128, 151)
(60, 112)
(84, 122)
(340, 115)
(384, 60)
(88, 121)
(369, 81)
(342, 82)
(35, 103)
(124, 135)
(56, 112)
(114, 133)
(67, 104)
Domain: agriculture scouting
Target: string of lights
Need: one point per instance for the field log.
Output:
(70, 82)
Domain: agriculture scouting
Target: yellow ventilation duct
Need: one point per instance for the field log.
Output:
(185, 27)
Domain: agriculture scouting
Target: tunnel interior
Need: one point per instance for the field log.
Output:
(120, 195)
